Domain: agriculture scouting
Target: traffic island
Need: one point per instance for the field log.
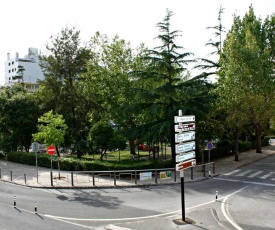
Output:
(181, 222)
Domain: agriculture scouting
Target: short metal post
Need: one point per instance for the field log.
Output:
(175, 175)
(209, 174)
(192, 173)
(115, 177)
(72, 178)
(51, 175)
(204, 170)
(25, 178)
(135, 176)
(213, 167)
(35, 207)
(11, 175)
(14, 201)
(156, 176)
(93, 173)
(217, 194)
(0, 173)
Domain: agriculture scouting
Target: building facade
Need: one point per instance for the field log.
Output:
(31, 71)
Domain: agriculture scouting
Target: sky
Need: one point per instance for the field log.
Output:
(31, 23)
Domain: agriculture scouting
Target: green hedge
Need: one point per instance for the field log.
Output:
(74, 164)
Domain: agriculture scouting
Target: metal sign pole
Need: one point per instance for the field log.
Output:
(182, 195)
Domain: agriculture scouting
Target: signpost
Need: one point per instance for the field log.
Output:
(185, 127)
(185, 157)
(209, 147)
(185, 164)
(182, 119)
(51, 151)
(185, 143)
(35, 149)
(185, 136)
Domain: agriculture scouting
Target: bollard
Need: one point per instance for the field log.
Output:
(72, 178)
(115, 177)
(51, 175)
(192, 173)
(204, 170)
(0, 173)
(35, 207)
(209, 174)
(135, 176)
(11, 175)
(217, 195)
(175, 175)
(14, 201)
(93, 178)
(156, 176)
(25, 178)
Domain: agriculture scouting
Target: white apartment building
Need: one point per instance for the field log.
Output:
(32, 71)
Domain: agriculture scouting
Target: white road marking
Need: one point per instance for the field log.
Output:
(232, 172)
(246, 182)
(255, 174)
(267, 175)
(244, 173)
(224, 208)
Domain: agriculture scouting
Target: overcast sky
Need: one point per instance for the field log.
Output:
(30, 23)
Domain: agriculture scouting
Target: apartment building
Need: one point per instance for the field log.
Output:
(31, 70)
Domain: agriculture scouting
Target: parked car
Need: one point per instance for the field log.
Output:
(143, 147)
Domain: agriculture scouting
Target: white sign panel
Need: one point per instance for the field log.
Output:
(144, 176)
(185, 157)
(182, 119)
(186, 136)
(186, 147)
(185, 127)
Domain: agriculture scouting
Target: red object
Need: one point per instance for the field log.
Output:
(186, 164)
(143, 147)
(51, 150)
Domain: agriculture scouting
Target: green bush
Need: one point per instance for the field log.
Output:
(245, 145)
(75, 164)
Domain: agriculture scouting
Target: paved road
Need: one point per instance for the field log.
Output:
(245, 197)
(241, 204)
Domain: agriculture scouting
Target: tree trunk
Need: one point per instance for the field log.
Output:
(236, 140)
(258, 138)
(132, 146)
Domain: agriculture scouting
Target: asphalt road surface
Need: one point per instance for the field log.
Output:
(245, 200)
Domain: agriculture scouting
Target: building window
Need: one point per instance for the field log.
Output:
(12, 63)
(9, 70)
(9, 63)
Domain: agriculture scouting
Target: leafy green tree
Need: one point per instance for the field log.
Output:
(18, 114)
(63, 67)
(20, 74)
(246, 79)
(51, 129)
(207, 64)
(100, 136)
(106, 84)
(171, 87)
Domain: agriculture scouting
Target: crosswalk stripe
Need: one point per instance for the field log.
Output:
(244, 173)
(232, 172)
(255, 174)
(267, 175)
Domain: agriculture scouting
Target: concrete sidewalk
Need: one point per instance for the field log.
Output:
(31, 176)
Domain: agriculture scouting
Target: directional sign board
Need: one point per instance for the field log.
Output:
(185, 147)
(186, 136)
(182, 119)
(185, 157)
(184, 127)
(185, 165)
